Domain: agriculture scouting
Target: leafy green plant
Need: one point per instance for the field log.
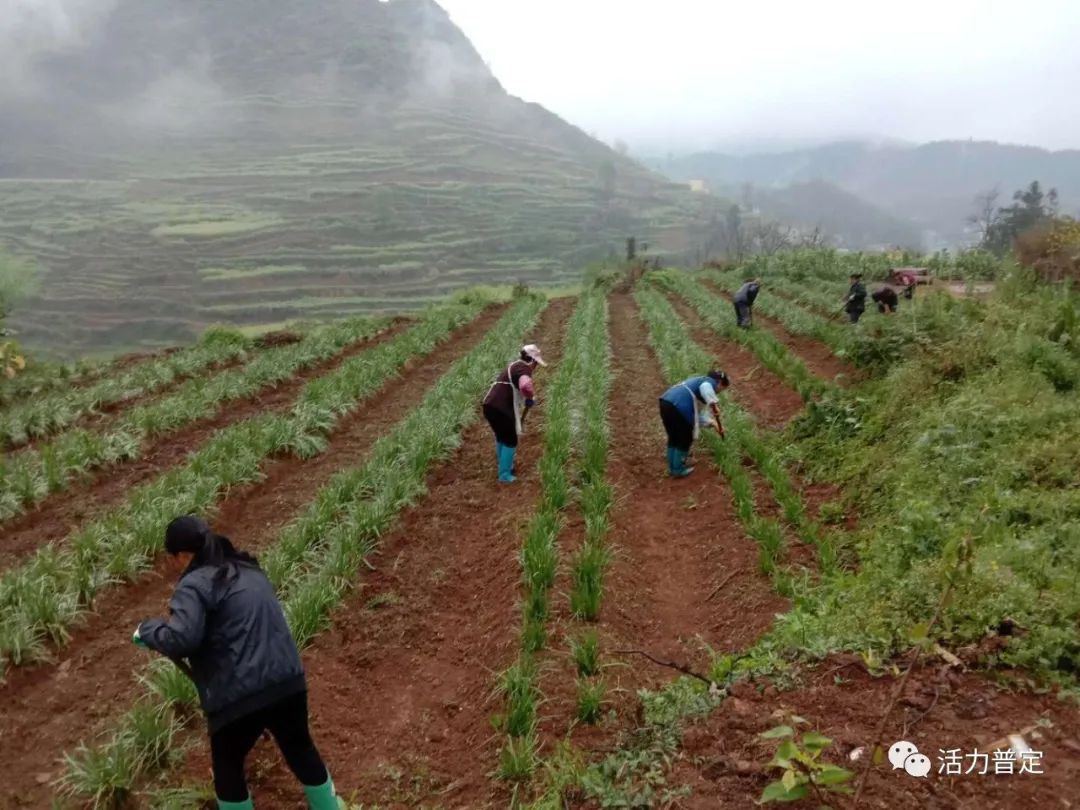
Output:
(585, 650)
(803, 772)
(590, 700)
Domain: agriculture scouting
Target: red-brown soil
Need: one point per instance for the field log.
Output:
(64, 511)
(48, 709)
(402, 686)
(722, 757)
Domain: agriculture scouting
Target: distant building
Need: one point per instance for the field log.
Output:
(698, 186)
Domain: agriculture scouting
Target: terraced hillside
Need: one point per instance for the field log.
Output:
(372, 164)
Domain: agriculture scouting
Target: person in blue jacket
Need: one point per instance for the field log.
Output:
(684, 409)
(227, 631)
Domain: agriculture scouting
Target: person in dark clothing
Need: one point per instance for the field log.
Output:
(744, 302)
(227, 630)
(508, 400)
(682, 410)
(855, 303)
(886, 299)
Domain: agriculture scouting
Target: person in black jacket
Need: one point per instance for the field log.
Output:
(886, 299)
(229, 626)
(855, 303)
(744, 302)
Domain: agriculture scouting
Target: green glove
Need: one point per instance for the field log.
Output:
(136, 639)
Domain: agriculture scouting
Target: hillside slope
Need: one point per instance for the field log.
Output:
(931, 186)
(253, 162)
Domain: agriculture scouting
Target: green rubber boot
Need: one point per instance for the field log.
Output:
(506, 464)
(246, 804)
(323, 797)
(680, 470)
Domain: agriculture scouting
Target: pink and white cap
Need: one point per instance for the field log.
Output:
(533, 351)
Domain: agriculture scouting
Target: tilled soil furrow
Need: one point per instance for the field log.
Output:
(817, 357)
(675, 539)
(63, 512)
(402, 685)
(48, 709)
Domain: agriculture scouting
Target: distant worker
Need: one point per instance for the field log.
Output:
(229, 626)
(907, 280)
(886, 299)
(506, 404)
(855, 303)
(744, 302)
(683, 412)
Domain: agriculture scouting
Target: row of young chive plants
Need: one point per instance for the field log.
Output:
(43, 597)
(795, 318)
(28, 477)
(719, 316)
(44, 415)
(572, 421)
(819, 298)
(41, 377)
(313, 562)
(680, 357)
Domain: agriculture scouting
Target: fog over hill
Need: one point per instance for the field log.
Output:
(928, 188)
(252, 161)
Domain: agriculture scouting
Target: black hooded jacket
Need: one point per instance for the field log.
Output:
(747, 293)
(233, 632)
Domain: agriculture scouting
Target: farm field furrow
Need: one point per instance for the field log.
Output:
(85, 673)
(439, 605)
(171, 429)
(817, 356)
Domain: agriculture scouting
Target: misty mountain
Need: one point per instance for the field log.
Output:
(177, 164)
(848, 220)
(931, 186)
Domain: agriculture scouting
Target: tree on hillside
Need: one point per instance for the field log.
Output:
(986, 213)
(1031, 207)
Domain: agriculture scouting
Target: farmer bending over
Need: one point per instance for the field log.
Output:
(227, 622)
(507, 402)
(683, 412)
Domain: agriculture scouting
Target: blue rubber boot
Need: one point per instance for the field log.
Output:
(506, 464)
(246, 804)
(498, 452)
(323, 797)
(679, 468)
(671, 461)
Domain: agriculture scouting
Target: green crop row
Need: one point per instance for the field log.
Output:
(314, 561)
(56, 411)
(573, 420)
(795, 318)
(30, 476)
(43, 377)
(40, 599)
(681, 357)
(719, 316)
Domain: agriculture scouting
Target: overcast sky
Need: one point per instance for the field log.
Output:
(698, 72)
